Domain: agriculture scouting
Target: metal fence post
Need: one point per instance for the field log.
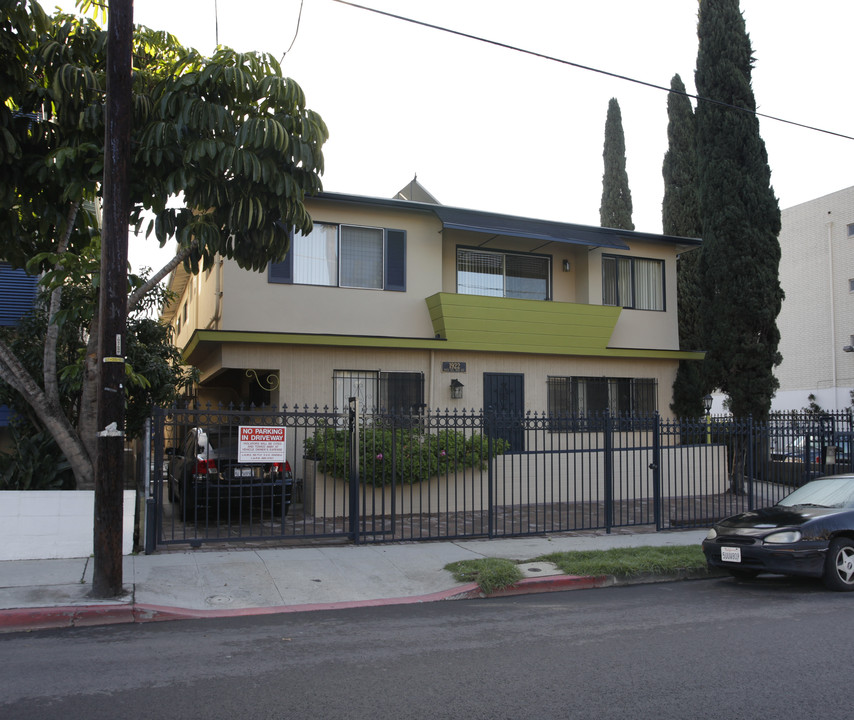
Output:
(751, 469)
(154, 432)
(656, 469)
(608, 462)
(490, 422)
(353, 471)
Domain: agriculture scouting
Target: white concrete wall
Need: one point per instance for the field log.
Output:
(48, 524)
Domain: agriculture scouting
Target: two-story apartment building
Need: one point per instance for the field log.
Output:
(406, 303)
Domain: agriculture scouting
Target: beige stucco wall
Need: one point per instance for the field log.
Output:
(565, 286)
(650, 329)
(305, 372)
(198, 305)
(251, 303)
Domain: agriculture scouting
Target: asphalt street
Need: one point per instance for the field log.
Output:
(775, 647)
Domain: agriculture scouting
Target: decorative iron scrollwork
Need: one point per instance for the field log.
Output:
(271, 382)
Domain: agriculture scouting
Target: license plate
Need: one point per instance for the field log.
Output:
(243, 472)
(731, 554)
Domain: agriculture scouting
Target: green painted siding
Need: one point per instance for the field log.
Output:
(209, 338)
(522, 325)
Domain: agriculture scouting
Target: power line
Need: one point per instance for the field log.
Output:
(296, 32)
(551, 58)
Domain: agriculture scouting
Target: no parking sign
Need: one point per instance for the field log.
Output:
(261, 444)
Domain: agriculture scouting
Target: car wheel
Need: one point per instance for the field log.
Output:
(839, 565)
(743, 573)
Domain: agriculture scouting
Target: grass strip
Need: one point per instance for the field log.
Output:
(493, 574)
(629, 562)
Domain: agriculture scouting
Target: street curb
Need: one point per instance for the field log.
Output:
(530, 586)
(46, 618)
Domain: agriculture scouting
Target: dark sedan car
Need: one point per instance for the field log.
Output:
(809, 532)
(205, 477)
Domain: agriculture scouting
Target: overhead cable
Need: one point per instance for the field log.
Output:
(551, 58)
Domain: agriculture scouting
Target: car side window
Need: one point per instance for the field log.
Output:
(189, 444)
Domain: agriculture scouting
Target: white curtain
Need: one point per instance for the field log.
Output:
(649, 285)
(316, 256)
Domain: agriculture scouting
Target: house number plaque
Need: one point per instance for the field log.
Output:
(455, 367)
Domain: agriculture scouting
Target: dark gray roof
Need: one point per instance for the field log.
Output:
(515, 226)
(510, 226)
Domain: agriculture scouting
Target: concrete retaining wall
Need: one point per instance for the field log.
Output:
(532, 479)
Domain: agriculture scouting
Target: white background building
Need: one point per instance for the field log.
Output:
(817, 318)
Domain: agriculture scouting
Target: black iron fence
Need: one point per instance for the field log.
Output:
(238, 475)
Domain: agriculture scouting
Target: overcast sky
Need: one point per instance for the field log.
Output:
(488, 128)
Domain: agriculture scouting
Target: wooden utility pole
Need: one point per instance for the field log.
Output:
(109, 465)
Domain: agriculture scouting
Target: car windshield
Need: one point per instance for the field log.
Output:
(831, 492)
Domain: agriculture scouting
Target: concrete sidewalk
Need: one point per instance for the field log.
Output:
(37, 594)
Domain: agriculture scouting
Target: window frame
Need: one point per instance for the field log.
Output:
(393, 261)
(342, 282)
(573, 391)
(374, 387)
(549, 280)
(631, 259)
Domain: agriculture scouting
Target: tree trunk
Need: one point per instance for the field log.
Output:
(140, 292)
(51, 416)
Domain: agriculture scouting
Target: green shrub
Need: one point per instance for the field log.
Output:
(36, 464)
(400, 455)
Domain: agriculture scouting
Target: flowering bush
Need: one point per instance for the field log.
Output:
(401, 455)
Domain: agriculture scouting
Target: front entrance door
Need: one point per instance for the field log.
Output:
(504, 395)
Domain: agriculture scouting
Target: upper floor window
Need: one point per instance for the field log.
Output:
(499, 274)
(345, 256)
(851, 230)
(631, 282)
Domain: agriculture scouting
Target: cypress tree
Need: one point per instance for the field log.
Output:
(680, 216)
(740, 219)
(616, 208)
